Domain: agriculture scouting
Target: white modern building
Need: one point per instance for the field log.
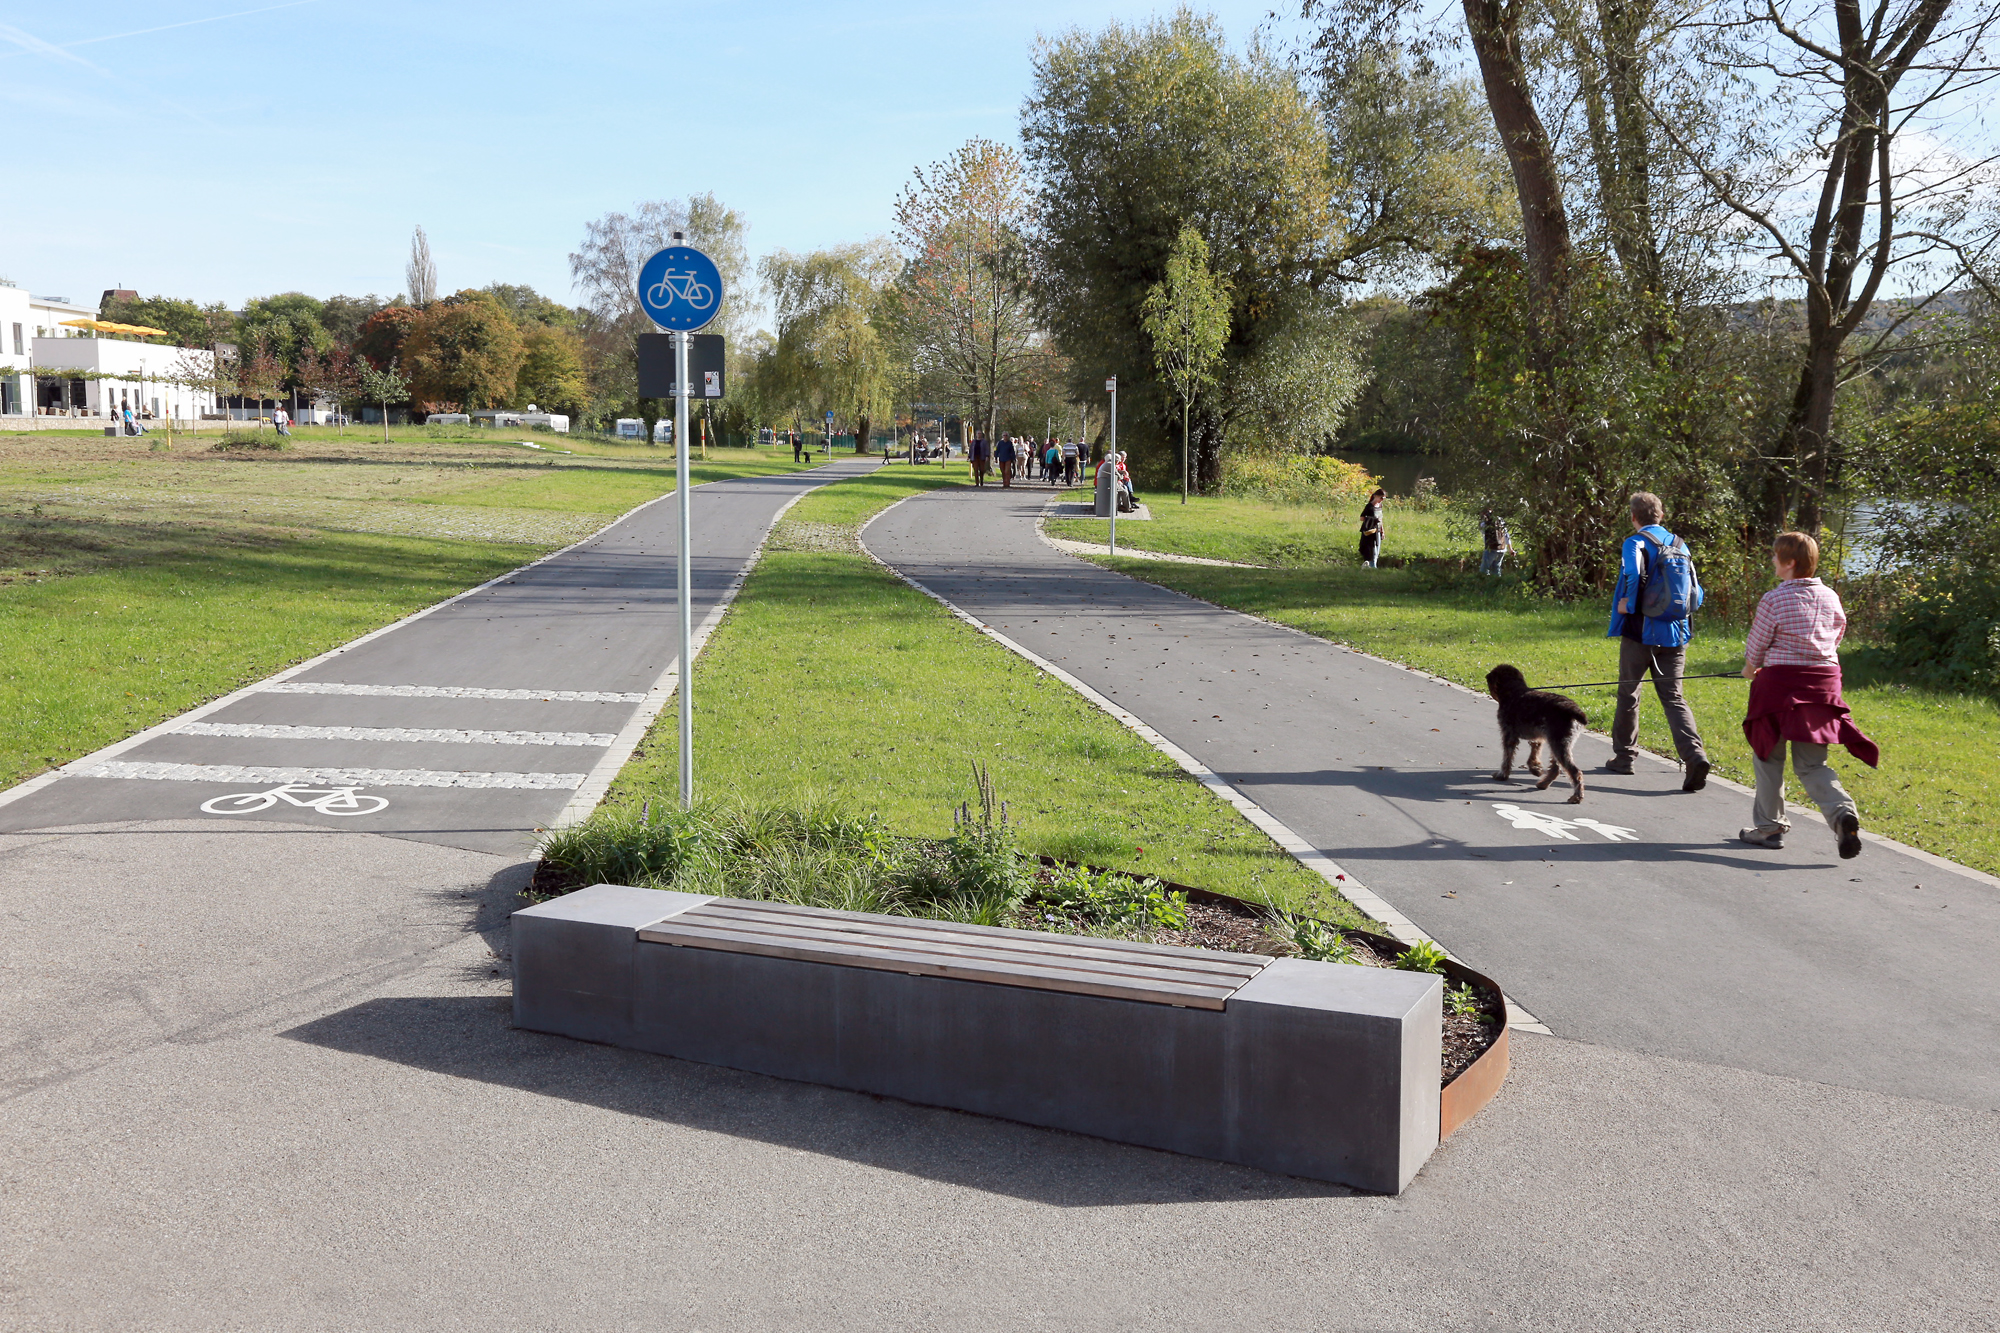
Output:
(24, 318)
(38, 343)
(116, 375)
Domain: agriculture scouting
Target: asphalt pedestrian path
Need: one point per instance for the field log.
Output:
(468, 725)
(1634, 920)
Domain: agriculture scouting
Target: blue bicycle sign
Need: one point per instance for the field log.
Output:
(680, 289)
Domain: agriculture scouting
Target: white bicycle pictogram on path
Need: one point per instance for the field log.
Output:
(326, 800)
(696, 294)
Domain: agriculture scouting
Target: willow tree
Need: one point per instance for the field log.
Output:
(1186, 314)
(834, 352)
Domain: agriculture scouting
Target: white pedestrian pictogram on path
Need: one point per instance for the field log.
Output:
(1534, 821)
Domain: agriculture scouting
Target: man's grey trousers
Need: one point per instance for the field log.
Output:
(1666, 664)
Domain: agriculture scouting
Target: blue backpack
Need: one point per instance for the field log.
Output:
(1669, 590)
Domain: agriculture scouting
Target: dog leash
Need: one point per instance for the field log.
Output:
(1591, 684)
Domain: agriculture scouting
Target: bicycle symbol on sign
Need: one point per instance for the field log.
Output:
(326, 800)
(698, 295)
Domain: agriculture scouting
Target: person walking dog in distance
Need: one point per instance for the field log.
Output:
(1793, 663)
(1652, 611)
(1499, 543)
(1372, 528)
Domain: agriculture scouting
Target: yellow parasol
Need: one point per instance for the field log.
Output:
(106, 326)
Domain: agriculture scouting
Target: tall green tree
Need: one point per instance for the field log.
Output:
(1135, 132)
(1186, 314)
(188, 324)
(553, 375)
(288, 326)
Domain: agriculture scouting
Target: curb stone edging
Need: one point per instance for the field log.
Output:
(1399, 926)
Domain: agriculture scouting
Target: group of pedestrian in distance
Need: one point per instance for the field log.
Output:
(1791, 658)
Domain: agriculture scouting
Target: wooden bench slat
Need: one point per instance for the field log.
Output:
(966, 928)
(1028, 945)
(840, 947)
(1038, 976)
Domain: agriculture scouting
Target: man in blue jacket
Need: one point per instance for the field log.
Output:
(1648, 644)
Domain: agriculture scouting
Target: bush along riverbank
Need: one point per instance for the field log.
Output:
(830, 857)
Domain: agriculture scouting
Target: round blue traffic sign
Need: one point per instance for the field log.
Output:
(680, 288)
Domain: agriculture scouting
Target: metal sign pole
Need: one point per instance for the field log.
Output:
(684, 580)
(1112, 460)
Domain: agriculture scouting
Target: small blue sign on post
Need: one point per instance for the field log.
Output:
(680, 288)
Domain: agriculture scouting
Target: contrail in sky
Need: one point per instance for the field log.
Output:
(30, 43)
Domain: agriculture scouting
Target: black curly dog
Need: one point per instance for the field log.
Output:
(1535, 716)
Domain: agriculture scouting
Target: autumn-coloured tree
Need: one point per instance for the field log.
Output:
(260, 374)
(383, 334)
(334, 375)
(965, 317)
(465, 350)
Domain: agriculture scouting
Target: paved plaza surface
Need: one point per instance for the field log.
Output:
(259, 1073)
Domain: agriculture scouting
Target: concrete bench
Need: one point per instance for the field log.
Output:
(1311, 1069)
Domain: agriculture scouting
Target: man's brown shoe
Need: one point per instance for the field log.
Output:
(1622, 765)
(1697, 775)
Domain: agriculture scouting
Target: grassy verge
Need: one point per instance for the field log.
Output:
(833, 681)
(1941, 751)
(1252, 532)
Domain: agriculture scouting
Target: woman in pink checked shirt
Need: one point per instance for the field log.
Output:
(1793, 664)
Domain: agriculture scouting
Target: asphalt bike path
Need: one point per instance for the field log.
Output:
(1634, 920)
(471, 724)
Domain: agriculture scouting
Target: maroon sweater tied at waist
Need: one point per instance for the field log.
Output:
(1803, 703)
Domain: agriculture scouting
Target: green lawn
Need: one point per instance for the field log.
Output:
(832, 678)
(1253, 532)
(1941, 752)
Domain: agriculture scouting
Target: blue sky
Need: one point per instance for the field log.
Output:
(227, 154)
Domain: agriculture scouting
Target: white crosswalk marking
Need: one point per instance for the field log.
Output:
(444, 735)
(455, 692)
(345, 777)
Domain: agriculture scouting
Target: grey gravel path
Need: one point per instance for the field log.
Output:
(1647, 927)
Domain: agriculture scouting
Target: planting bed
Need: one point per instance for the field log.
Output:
(1474, 1058)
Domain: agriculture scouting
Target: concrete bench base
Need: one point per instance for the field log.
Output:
(1310, 1069)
